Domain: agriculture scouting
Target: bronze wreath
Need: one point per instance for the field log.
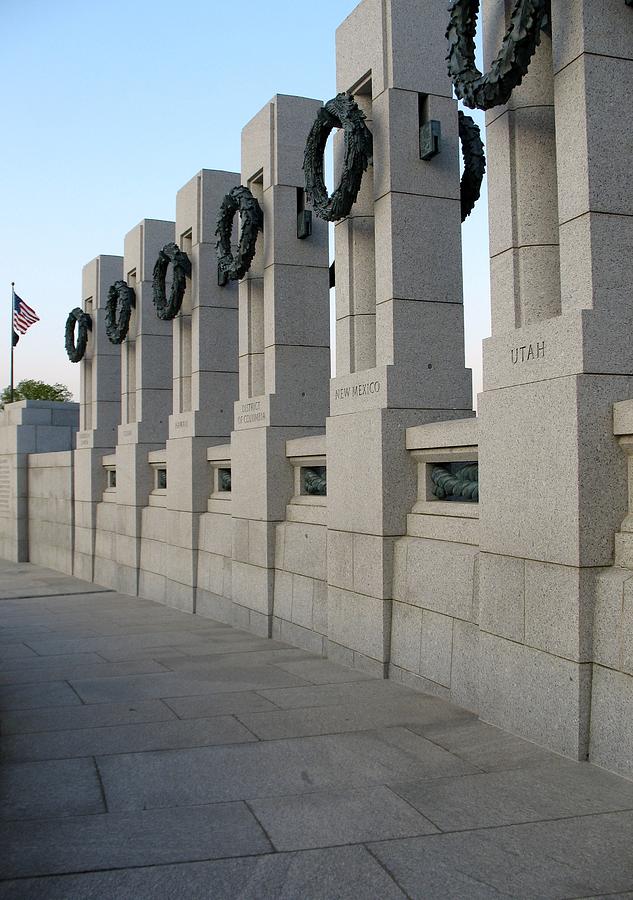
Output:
(511, 64)
(341, 112)
(76, 351)
(474, 163)
(121, 297)
(241, 200)
(171, 253)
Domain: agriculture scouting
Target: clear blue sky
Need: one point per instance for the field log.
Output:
(110, 107)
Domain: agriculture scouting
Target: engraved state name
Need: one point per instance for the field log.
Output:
(251, 412)
(357, 390)
(528, 352)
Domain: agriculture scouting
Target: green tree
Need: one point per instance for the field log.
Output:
(30, 389)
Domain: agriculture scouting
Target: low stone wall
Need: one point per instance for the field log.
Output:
(27, 427)
(214, 596)
(611, 733)
(300, 605)
(105, 564)
(300, 610)
(434, 620)
(168, 557)
(214, 592)
(51, 510)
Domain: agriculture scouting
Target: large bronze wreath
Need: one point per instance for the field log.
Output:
(121, 298)
(83, 321)
(474, 163)
(510, 66)
(241, 200)
(341, 112)
(171, 253)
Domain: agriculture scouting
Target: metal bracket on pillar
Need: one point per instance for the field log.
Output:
(304, 224)
(223, 278)
(430, 139)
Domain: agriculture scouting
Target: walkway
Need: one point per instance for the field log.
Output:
(152, 754)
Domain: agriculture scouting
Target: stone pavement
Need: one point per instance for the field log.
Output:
(147, 753)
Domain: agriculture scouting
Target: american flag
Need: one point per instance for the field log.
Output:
(23, 315)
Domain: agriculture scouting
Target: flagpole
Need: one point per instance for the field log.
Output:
(12, 308)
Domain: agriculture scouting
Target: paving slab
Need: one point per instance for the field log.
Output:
(229, 657)
(555, 790)
(172, 684)
(269, 768)
(33, 663)
(27, 633)
(288, 723)
(13, 651)
(322, 671)
(577, 857)
(364, 692)
(323, 818)
(485, 746)
(57, 646)
(215, 774)
(67, 671)
(344, 873)
(75, 717)
(35, 696)
(218, 705)
(27, 580)
(31, 790)
(126, 653)
(135, 738)
(110, 841)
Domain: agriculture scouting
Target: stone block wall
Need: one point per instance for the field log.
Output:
(611, 636)
(168, 567)
(215, 569)
(51, 510)
(27, 427)
(300, 607)
(435, 615)
(214, 596)
(106, 529)
(153, 555)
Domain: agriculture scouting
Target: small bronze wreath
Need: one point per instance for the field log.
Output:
(171, 253)
(510, 66)
(341, 112)
(474, 163)
(83, 321)
(241, 200)
(121, 297)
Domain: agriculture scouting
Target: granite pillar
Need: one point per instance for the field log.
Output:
(205, 380)
(146, 402)
(399, 329)
(284, 356)
(100, 409)
(553, 480)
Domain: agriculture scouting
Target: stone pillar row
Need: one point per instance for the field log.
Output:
(241, 381)
(250, 363)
